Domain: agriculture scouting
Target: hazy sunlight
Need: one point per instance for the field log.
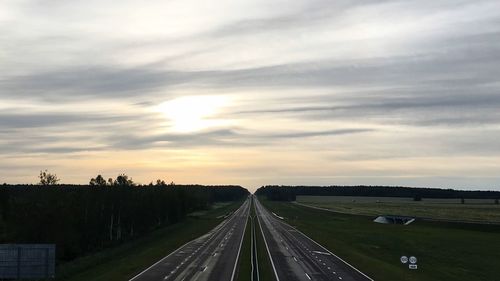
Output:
(193, 113)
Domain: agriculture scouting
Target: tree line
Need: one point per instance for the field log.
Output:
(289, 193)
(85, 218)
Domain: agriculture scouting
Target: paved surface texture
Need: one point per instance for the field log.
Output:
(211, 257)
(297, 257)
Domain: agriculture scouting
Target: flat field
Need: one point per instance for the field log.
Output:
(445, 251)
(474, 210)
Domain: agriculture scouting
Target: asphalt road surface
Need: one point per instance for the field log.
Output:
(294, 256)
(211, 257)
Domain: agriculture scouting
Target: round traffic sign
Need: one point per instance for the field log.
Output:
(404, 259)
(413, 260)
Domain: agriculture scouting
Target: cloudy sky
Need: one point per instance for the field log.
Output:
(252, 92)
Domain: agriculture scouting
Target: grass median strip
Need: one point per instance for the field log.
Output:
(245, 267)
(125, 261)
(265, 267)
(255, 256)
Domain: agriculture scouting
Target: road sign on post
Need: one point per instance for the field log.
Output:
(413, 260)
(404, 259)
(27, 261)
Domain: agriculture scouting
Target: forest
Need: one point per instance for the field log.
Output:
(81, 219)
(288, 193)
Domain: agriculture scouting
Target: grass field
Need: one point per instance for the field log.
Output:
(445, 251)
(478, 210)
(125, 261)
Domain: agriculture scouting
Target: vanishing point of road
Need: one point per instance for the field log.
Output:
(214, 256)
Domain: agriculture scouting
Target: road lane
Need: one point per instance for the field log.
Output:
(297, 257)
(211, 257)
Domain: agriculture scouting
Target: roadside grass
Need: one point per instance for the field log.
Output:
(480, 210)
(216, 205)
(445, 251)
(266, 272)
(125, 261)
(245, 266)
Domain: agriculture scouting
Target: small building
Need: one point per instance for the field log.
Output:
(388, 219)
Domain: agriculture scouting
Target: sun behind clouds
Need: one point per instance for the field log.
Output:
(194, 113)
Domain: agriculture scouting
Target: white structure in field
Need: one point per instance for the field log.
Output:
(394, 220)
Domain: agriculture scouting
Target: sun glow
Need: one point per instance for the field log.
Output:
(193, 113)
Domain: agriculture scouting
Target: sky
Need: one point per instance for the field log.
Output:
(252, 92)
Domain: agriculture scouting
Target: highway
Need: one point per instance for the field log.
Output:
(294, 256)
(211, 257)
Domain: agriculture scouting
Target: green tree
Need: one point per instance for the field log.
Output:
(97, 181)
(123, 180)
(83, 220)
(160, 182)
(47, 178)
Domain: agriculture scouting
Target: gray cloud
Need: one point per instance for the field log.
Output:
(230, 137)
(38, 120)
(466, 66)
(66, 132)
(96, 81)
(320, 133)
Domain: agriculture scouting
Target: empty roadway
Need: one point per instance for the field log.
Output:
(211, 257)
(294, 256)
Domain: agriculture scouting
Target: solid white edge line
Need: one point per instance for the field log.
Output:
(333, 254)
(251, 246)
(241, 242)
(142, 272)
(267, 247)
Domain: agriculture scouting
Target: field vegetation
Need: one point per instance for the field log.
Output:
(471, 210)
(244, 262)
(264, 263)
(265, 268)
